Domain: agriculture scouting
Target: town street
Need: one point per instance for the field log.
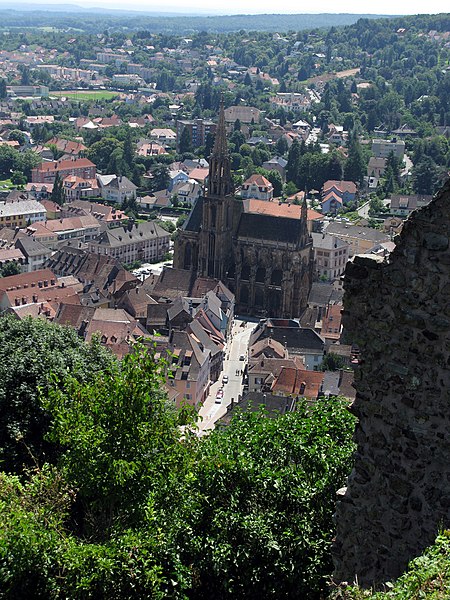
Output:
(237, 346)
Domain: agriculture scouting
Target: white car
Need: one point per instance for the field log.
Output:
(225, 379)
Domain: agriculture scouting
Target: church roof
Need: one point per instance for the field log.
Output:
(194, 221)
(267, 227)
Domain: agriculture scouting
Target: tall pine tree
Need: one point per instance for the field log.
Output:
(57, 194)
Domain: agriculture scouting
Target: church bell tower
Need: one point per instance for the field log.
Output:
(215, 248)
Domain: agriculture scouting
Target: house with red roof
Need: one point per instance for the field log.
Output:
(80, 167)
(257, 186)
(346, 190)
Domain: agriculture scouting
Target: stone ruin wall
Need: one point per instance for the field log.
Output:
(398, 312)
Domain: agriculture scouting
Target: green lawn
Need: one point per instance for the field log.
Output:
(5, 184)
(86, 94)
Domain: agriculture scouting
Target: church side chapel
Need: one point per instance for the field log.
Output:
(262, 255)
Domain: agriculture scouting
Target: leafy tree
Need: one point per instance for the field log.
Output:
(116, 430)
(100, 152)
(281, 146)
(30, 351)
(18, 178)
(3, 92)
(293, 163)
(57, 194)
(128, 150)
(18, 136)
(161, 178)
(185, 144)
(26, 161)
(8, 161)
(10, 268)
(290, 188)
(331, 362)
(277, 512)
(275, 179)
(25, 77)
(355, 166)
(425, 176)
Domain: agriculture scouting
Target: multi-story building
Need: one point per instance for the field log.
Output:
(198, 131)
(382, 148)
(21, 212)
(257, 186)
(46, 172)
(360, 239)
(331, 255)
(146, 242)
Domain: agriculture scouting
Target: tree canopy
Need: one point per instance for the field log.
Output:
(136, 505)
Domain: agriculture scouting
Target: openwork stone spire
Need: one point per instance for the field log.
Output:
(220, 180)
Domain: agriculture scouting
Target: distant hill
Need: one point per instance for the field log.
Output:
(96, 19)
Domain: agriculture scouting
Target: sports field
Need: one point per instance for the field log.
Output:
(86, 94)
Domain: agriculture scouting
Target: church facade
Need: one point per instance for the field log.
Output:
(264, 257)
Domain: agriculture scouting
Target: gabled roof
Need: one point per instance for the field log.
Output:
(298, 382)
(257, 179)
(78, 163)
(267, 227)
(343, 186)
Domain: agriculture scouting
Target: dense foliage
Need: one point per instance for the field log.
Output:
(31, 351)
(139, 506)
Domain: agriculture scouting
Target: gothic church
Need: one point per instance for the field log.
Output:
(264, 256)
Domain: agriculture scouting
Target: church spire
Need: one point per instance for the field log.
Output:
(304, 212)
(220, 181)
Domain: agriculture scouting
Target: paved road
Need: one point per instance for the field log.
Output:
(237, 345)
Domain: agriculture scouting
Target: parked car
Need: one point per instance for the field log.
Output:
(219, 393)
(225, 379)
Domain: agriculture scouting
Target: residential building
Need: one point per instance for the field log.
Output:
(188, 370)
(19, 213)
(331, 255)
(301, 342)
(198, 131)
(298, 383)
(332, 324)
(116, 329)
(257, 186)
(10, 254)
(262, 371)
(116, 188)
(146, 242)
(383, 148)
(104, 213)
(376, 167)
(277, 163)
(32, 288)
(246, 115)
(36, 254)
(331, 203)
(360, 239)
(98, 273)
(402, 205)
(46, 172)
(76, 188)
(83, 228)
(346, 190)
(165, 136)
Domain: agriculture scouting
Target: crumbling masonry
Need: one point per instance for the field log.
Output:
(398, 312)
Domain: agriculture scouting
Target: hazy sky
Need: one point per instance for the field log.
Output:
(264, 6)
